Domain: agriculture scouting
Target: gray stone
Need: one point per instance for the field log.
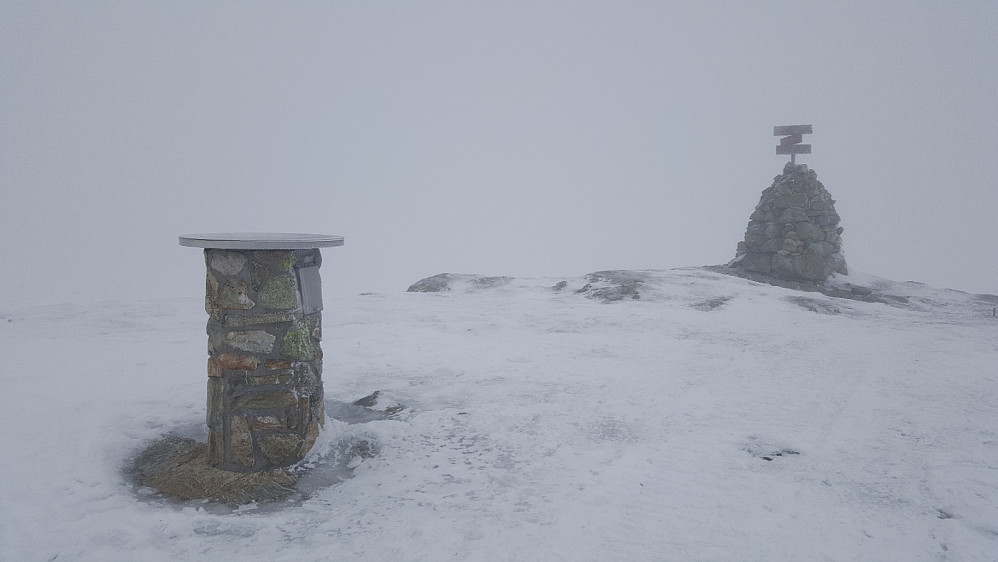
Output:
(787, 201)
(266, 423)
(783, 266)
(796, 242)
(227, 263)
(234, 295)
(812, 268)
(281, 449)
(279, 292)
(278, 261)
(808, 232)
(213, 416)
(820, 248)
(298, 343)
(240, 321)
(266, 400)
(240, 442)
(311, 289)
(761, 263)
(254, 341)
(792, 215)
(772, 245)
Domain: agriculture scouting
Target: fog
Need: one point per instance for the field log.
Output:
(512, 138)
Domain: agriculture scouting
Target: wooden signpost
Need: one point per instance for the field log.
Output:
(790, 143)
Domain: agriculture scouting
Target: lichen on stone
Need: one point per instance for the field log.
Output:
(297, 343)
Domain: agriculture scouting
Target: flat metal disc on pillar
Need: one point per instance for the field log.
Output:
(260, 241)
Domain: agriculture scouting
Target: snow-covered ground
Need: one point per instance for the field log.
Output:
(713, 418)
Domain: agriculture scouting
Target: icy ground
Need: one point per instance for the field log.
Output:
(713, 418)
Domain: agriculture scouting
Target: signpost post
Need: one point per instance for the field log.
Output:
(790, 143)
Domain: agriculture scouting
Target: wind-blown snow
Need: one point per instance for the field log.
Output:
(539, 425)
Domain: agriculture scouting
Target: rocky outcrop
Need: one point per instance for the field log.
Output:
(794, 232)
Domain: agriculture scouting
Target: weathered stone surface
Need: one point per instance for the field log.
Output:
(234, 295)
(281, 449)
(809, 232)
(216, 448)
(213, 416)
(226, 262)
(240, 442)
(238, 362)
(800, 240)
(310, 436)
(820, 248)
(298, 343)
(266, 400)
(311, 289)
(793, 214)
(271, 380)
(279, 292)
(263, 423)
(761, 263)
(264, 311)
(277, 260)
(234, 321)
(254, 341)
(183, 469)
(214, 367)
(790, 200)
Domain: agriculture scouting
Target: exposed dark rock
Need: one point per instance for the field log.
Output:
(445, 282)
(612, 286)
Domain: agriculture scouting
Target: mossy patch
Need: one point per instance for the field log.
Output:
(298, 343)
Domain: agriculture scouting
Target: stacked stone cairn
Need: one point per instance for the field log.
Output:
(794, 233)
(265, 364)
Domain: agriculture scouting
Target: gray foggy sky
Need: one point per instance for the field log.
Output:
(511, 138)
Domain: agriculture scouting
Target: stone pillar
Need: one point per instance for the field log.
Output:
(265, 401)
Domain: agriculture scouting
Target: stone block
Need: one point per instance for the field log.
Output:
(238, 362)
(790, 200)
(277, 260)
(267, 423)
(236, 321)
(279, 292)
(240, 442)
(253, 341)
(809, 232)
(310, 437)
(213, 416)
(214, 367)
(760, 263)
(793, 215)
(280, 449)
(820, 248)
(311, 289)
(792, 245)
(226, 262)
(266, 400)
(812, 268)
(298, 344)
(234, 295)
(772, 245)
(783, 266)
(216, 449)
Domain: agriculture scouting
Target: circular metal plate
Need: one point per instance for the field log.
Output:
(260, 241)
